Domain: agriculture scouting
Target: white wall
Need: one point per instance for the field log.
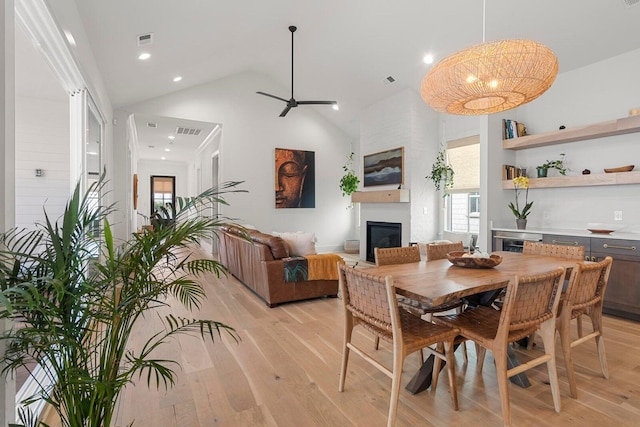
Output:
(403, 120)
(599, 92)
(42, 142)
(251, 132)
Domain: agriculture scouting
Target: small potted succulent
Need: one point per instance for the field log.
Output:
(552, 164)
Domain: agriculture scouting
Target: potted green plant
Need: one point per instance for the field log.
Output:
(552, 164)
(349, 181)
(441, 172)
(75, 297)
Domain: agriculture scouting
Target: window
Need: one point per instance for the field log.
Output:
(462, 207)
(163, 191)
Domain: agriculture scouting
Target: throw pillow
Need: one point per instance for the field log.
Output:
(300, 243)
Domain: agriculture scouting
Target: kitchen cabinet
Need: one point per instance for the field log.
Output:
(622, 297)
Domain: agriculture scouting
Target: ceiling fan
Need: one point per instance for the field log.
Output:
(292, 103)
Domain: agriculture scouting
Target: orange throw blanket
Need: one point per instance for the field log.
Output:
(323, 266)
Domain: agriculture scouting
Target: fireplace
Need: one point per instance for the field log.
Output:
(382, 235)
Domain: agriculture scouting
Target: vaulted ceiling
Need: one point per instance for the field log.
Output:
(344, 48)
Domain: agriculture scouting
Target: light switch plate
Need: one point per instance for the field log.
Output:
(617, 215)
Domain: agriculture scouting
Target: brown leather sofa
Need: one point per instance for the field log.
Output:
(255, 259)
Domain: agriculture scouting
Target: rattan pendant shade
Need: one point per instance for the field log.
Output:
(490, 77)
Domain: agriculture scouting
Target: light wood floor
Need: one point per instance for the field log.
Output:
(285, 373)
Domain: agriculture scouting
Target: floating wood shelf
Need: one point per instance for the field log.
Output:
(382, 196)
(619, 178)
(597, 130)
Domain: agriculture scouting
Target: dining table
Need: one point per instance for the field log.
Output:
(436, 282)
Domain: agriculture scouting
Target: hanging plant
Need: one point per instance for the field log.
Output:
(441, 172)
(349, 182)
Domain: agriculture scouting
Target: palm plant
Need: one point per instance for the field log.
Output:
(74, 297)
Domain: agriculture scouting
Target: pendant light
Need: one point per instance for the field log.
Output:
(490, 77)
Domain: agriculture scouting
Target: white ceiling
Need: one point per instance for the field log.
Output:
(344, 49)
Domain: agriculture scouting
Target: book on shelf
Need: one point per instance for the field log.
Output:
(509, 172)
(512, 129)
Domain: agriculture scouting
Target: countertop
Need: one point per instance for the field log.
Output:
(622, 235)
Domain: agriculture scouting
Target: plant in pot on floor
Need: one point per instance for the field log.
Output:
(441, 173)
(521, 183)
(552, 164)
(349, 181)
(75, 295)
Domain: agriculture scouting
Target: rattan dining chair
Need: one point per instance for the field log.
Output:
(440, 250)
(409, 254)
(559, 251)
(548, 249)
(584, 295)
(370, 301)
(530, 304)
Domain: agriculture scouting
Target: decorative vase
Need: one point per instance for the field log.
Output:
(542, 172)
(521, 223)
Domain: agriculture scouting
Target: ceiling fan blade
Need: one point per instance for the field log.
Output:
(285, 111)
(317, 102)
(273, 96)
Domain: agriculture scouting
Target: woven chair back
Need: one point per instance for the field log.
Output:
(588, 283)
(365, 296)
(440, 250)
(547, 249)
(402, 255)
(530, 300)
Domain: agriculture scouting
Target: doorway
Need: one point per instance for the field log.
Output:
(163, 191)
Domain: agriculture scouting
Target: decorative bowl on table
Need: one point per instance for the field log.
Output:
(464, 259)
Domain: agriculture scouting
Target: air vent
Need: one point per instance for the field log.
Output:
(388, 80)
(152, 125)
(631, 2)
(188, 131)
(144, 39)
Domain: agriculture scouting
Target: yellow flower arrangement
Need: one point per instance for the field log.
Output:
(521, 183)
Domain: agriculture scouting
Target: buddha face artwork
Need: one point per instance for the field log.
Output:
(295, 178)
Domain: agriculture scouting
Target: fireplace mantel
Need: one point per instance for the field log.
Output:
(381, 196)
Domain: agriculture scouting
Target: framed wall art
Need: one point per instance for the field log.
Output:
(295, 179)
(384, 168)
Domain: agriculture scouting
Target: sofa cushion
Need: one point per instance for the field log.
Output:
(300, 243)
(277, 246)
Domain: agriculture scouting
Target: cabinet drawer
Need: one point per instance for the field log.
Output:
(556, 239)
(616, 247)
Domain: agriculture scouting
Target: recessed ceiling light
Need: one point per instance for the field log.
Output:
(335, 107)
(144, 56)
(92, 153)
(167, 149)
(172, 137)
(177, 78)
(428, 59)
(163, 158)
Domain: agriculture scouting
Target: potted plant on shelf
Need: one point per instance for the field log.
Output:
(75, 298)
(552, 164)
(521, 183)
(441, 172)
(349, 182)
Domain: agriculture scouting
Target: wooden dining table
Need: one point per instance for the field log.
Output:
(438, 281)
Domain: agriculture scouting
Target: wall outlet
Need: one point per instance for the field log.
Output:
(546, 214)
(617, 215)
